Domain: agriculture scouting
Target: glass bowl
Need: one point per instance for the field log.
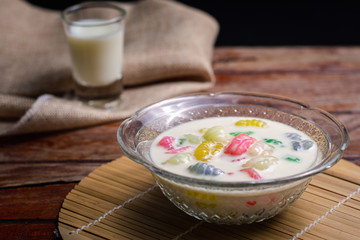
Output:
(231, 202)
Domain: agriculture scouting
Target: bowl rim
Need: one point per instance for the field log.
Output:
(329, 160)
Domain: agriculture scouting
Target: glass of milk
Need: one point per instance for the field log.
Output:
(95, 33)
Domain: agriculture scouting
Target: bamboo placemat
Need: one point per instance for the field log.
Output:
(138, 210)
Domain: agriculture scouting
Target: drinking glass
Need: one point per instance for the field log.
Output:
(95, 34)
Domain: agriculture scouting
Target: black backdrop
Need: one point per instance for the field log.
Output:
(265, 23)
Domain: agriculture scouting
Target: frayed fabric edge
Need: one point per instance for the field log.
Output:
(28, 115)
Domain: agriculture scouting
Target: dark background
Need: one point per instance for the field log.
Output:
(286, 23)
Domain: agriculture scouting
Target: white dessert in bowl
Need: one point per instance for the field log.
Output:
(287, 142)
(234, 149)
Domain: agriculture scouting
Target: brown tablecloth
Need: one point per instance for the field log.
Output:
(168, 51)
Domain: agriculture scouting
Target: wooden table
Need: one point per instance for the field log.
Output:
(37, 171)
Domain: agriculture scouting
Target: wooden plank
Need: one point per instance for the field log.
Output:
(12, 175)
(287, 59)
(301, 87)
(29, 230)
(89, 144)
(37, 202)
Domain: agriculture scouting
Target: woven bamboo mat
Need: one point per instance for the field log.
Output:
(138, 210)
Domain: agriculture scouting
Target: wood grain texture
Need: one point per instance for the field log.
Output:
(302, 60)
(30, 230)
(89, 144)
(18, 173)
(31, 212)
(33, 202)
(44, 167)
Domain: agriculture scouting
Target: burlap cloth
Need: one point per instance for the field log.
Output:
(168, 51)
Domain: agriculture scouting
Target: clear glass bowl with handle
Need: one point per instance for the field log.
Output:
(232, 202)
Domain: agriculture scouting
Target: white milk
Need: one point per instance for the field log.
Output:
(96, 53)
(231, 165)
